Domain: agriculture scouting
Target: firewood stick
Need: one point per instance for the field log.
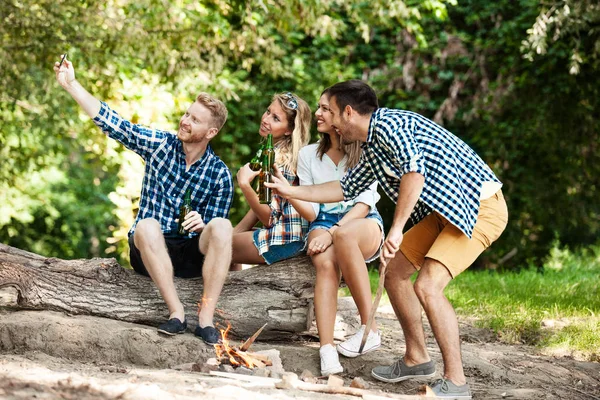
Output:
(382, 270)
(313, 387)
(249, 342)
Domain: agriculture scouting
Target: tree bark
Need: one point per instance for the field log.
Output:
(280, 295)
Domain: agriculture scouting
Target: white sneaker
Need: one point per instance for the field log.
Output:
(330, 362)
(350, 347)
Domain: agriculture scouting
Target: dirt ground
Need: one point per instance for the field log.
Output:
(47, 355)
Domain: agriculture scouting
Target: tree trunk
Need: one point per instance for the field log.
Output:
(280, 295)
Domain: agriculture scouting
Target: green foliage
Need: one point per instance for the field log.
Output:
(558, 310)
(67, 191)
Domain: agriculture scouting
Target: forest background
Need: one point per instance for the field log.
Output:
(516, 79)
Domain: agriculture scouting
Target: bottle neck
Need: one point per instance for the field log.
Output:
(269, 144)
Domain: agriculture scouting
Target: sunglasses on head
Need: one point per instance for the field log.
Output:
(291, 100)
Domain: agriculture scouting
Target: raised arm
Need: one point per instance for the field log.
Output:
(329, 192)
(65, 75)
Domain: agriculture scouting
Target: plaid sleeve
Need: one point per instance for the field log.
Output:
(278, 203)
(357, 180)
(397, 134)
(220, 202)
(137, 138)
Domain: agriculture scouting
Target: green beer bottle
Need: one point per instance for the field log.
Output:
(266, 175)
(256, 161)
(183, 211)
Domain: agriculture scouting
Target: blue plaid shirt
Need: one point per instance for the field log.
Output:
(401, 141)
(166, 178)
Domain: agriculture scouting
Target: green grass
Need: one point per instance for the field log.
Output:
(557, 310)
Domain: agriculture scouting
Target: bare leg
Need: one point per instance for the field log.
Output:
(354, 242)
(149, 240)
(215, 244)
(244, 250)
(429, 287)
(326, 287)
(245, 225)
(407, 308)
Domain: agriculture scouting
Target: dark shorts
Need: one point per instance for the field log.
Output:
(184, 253)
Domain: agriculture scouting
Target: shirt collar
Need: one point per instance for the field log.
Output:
(372, 122)
(208, 154)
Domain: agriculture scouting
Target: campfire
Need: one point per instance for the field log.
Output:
(240, 356)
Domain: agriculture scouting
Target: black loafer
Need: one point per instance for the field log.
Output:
(173, 327)
(209, 334)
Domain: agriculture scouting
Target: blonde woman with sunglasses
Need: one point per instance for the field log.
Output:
(288, 119)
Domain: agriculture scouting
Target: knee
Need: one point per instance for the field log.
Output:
(343, 235)
(220, 231)
(426, 289)
(326, 268)
(147, 232)
(398, 273)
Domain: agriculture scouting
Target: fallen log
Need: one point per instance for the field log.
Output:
(279, 295)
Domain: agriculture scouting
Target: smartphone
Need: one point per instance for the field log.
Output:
(62, 60)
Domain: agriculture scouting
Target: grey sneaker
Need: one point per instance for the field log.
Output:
(446, 389)
(399, 371)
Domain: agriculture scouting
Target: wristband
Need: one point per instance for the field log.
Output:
(338, 225)
(328, 231)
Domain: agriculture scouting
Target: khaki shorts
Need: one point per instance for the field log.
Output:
(434, 237)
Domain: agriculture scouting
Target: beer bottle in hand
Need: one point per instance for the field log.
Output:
(256, 161)
(183, 211)
(266, 175)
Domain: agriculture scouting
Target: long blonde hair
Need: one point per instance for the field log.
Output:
(299, 121)
(352, 150)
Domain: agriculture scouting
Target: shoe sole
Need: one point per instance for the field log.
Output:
(169, 333)
(333, 371)
(354, 354)
(401, 378)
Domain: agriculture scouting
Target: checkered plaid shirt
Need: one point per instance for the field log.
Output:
(399, 142)
(285, 224)
(166, 178)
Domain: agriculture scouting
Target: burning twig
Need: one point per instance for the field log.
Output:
(239, 356)
(249, 342)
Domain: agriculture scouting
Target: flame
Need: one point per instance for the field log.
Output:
(236, 357)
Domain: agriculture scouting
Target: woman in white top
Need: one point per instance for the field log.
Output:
(342, 238)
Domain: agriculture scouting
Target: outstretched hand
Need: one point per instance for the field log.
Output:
(65, 73)
(280, 184)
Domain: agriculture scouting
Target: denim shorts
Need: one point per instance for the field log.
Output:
(326, 221)
(279, 252)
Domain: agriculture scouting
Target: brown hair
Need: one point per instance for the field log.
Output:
(299, 121)
(217, 109)
(352, 150)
